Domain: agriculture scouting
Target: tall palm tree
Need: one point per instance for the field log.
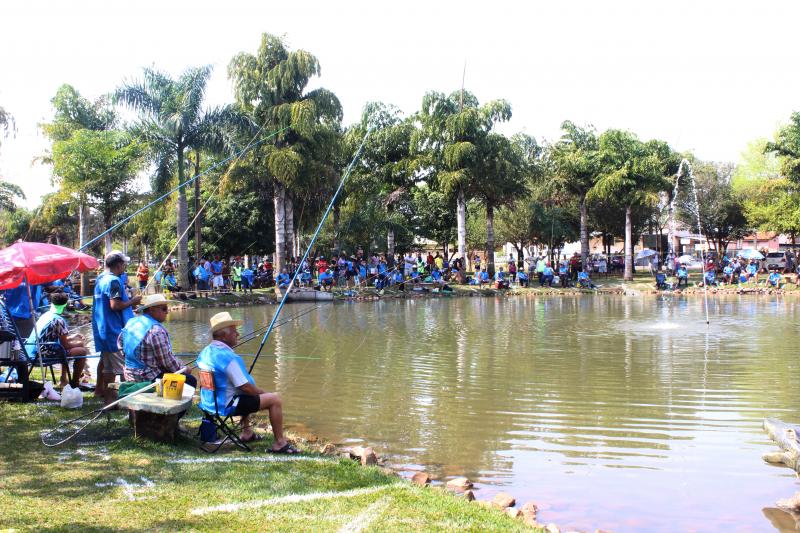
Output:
(173, 122)
(576, 169)
(270, 86)
(452, 139)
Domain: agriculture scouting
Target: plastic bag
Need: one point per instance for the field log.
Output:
(49, 393)
(71, 398)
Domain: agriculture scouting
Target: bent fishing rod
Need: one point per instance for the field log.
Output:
(311, 245)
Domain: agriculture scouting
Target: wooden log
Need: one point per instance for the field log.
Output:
(786, 437)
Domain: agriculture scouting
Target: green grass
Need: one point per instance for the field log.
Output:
(78, 487)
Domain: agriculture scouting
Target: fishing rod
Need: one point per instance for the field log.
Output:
(310, 245)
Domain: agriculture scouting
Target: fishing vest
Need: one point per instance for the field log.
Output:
(201, 273)
(42, 324)
(133, 334)
(215, 358)
(107, 324)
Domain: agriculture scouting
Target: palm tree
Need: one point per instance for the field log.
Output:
(270, 87)
(172, 122)
(576, 169)
(633, 173)
(451, 142)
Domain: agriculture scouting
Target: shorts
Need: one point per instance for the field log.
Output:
(218, 280)
(245, 404)
(113, 363)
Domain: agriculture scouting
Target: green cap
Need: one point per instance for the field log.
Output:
(58, 309)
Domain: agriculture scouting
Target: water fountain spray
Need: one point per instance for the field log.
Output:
(685, 169)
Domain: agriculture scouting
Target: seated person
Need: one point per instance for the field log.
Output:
(743, 277)
(710, 278)
(585, 281)
(283, 279)
(682, 275)
(547, 276)
(235, 391)
(661, 280)
(483, 277)
(500, 279)
(436, 276)
(305, 277)
(775, 279)
(146, 344)
(727, 274)
(325, 279)
(523, 279)
(169, 283)
(752, 271)
(415, 278)
(52, 334)
(397, 279)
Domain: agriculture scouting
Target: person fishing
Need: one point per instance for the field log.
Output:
(146, 343)
(235, 388)
(51, 331)
(111, 310)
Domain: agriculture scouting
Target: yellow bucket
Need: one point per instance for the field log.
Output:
(173, 386)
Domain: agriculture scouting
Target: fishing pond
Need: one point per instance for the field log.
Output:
(611, 412)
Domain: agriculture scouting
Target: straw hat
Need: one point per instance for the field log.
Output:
(223, 320)
(153, 300)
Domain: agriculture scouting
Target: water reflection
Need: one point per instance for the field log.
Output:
(624, 413)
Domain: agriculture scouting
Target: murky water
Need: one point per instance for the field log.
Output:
(621, 413)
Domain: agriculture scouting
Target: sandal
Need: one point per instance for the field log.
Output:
(287, 449)
(255, 438)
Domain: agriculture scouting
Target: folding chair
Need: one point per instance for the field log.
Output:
(221, 423)
(49, 361)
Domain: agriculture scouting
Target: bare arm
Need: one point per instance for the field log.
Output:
(118, 305)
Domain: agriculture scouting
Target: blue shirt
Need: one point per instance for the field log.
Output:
(216, 267)
(682, 272)
(17, 300)
(547, 271)
(107, 324)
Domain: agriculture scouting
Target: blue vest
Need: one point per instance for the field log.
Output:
(132, 336)
(215, 359)
(201, 273)
(41, 325)
(107, 324)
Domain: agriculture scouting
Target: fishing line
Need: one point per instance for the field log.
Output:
(249, 146)
(310, 245)
(190, 225)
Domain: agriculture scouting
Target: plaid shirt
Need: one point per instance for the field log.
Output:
(155, 352)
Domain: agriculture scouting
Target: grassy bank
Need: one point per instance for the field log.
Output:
(112, 481)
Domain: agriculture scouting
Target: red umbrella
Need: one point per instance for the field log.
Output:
(40, 263)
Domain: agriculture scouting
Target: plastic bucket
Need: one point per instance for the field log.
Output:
(172, 385)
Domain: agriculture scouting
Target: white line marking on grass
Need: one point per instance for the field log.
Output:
(257, 459)
(292, 498)
(366, 518)
(130, 489)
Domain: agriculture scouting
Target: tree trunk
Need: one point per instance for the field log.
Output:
(461, 221)
(389, 233)
(83, 226)
(336, 228)
(628, 245)
(125, 245)
(288, 214)
(279, 201)
(490, 239)
(182, 225)
(197, 236)
(584, 232)
(107, 240)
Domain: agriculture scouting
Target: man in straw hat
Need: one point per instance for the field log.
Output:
(111, 310)
(236, 391)
(146, 345)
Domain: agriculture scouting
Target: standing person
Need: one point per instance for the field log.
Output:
(216, 274)
(146, 344)
(111, 310)
(476, 262)
(235, 391)
(236, 276)
(201, 275)
(143, 275)
(408, 264)
(512, 271)
(602, 266)
(540, 264)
